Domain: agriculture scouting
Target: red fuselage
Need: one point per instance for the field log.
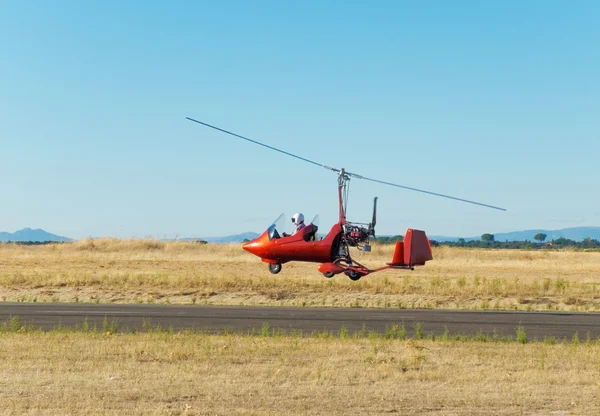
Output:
(274, 249)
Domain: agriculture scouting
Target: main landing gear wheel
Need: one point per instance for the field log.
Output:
(274, 267)
(353, 275)
(328, 275)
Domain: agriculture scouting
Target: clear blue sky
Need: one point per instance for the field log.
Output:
(492, 101)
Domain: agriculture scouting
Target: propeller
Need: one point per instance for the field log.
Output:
(374, 220)
(343, 171)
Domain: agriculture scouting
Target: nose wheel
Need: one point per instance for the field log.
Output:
(274, 267)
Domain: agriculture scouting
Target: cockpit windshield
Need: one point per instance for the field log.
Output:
(277, 228)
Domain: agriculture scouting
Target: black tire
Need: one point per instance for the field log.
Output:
(328, 275)
(353, 275)
(274, 267)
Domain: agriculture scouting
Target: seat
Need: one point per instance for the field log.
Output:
(309, 232)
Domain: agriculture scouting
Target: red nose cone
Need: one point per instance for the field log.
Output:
(253, 247)
(259, 246)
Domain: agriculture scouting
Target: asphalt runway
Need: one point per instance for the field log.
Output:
(243, 319)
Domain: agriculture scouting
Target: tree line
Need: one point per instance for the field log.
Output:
(488, 241)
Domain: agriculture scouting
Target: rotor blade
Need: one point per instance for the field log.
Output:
(425, 192)
(338, 170)
(265, 145)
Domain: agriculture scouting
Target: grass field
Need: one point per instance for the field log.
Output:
(194, 374)
(156, 272)
(144, 271)
(161, 372)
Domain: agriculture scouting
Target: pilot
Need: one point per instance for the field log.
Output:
(298, 220)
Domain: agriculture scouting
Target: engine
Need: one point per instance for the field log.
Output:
(355, 235)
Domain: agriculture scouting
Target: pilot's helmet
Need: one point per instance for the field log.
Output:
(298, 218)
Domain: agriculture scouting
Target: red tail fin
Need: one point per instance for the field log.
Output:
(415, 250)
(398, 259)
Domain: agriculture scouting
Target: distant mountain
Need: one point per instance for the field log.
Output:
(237, 238)
(27, 234)
(575, 234)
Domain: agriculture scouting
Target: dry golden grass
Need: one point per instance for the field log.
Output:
(194, 374)
(143, 271)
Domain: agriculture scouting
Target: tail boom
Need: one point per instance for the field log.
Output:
(413, 251)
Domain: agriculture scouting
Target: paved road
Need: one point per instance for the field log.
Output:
(243, 319)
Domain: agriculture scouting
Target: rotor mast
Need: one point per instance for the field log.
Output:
(342, 180)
